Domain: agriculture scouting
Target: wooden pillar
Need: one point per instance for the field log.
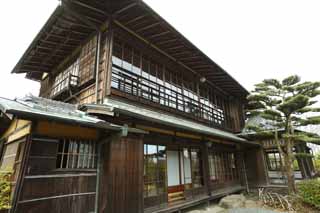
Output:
(108, 58)
(302, 162)
(206, 175)
(121, 176)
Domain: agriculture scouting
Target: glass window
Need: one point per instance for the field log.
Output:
(74, 154)
(274, 161)
(222, 167)
(154, 170)
(196, 168)
(136, 63)
(170, 88)
(67, 78)
(127, 58)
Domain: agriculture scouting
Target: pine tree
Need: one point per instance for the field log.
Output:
(286, 106)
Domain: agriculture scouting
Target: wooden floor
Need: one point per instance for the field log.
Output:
(181, 205)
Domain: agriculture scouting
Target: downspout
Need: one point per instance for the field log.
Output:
(97, 65)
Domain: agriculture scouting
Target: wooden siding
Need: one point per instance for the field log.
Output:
(17, 129)
(88, 92)
(46, 189)
(255, 166)
(122, 176)
(52, 129)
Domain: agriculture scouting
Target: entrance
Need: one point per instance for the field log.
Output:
(179, 174)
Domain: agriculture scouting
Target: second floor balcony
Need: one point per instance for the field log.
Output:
(170, 98)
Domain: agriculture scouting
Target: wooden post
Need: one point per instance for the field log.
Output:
(108, 49)
(97, 65)
(206, 174)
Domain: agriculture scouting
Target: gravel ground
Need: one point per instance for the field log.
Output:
(250, 210)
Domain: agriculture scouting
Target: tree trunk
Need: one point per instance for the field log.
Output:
(282, 157)
(289, 168)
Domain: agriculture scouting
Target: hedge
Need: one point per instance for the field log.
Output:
(309, 191)
(5, 190)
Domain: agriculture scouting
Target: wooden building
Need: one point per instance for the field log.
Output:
(120, 62)
(303, 165)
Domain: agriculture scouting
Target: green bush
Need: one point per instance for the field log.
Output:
(309, 191)
(5, 190)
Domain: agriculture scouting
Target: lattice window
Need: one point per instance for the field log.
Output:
(274, 161)
(196, 168)
(87, 61)
(222, 167)
(139, 75)
(76, 154)
(66, 79)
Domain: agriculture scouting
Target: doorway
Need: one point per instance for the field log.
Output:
(179, 174)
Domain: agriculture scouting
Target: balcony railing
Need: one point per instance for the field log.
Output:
(63, 88)
(197, 108)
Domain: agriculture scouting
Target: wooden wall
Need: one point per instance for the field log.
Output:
(121, 179)
(86, 90)
(46, 189)
(255, 166)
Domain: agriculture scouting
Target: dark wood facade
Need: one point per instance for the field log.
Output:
(91, 52)
(121, 178)
(303, 166)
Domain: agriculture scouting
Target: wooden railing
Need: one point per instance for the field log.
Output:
(136, 85)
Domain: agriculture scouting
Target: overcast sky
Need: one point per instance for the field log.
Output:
(251, 39)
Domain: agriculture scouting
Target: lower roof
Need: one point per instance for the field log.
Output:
(34, 108)
(162, 118)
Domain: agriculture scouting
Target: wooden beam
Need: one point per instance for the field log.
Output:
(45, 60)
(72, 30)
(147, 27)
(165, 54)
(68, 21)
(31, 67)
(62, 37)
(189, 58)
(90, 7)
(176, 47)
(202, 66)
(70, 9)
(116, 13)
(166, 41)
(158, 35)
(135, 19)
(57, 43)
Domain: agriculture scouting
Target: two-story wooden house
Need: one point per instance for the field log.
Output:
(121, 62)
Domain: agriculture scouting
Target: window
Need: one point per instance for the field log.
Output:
(196, 168)
(87, 61)
(274, 161)
(154, 170)
(222, 167)
(140, 75)
(74, 154)
(67, 78)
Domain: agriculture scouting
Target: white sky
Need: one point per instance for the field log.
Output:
(251, 39)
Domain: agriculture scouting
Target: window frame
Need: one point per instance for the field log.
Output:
(159, 180)
(225, 166)
(90, 154)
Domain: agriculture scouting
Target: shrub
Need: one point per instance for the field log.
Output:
(5, 190)
(309, 191)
